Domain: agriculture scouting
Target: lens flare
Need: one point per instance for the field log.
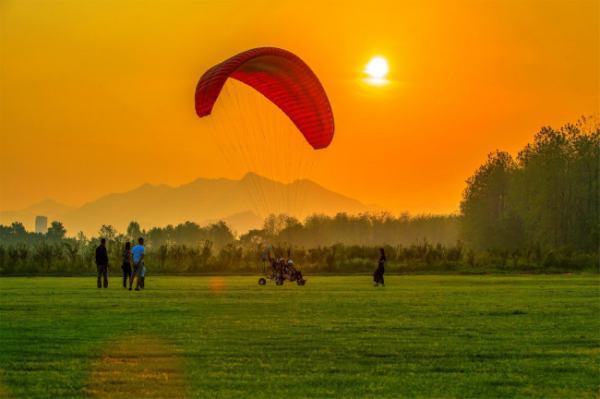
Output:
(216, 285)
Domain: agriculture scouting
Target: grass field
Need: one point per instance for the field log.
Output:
(420, 336)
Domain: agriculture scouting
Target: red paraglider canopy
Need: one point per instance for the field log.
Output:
(284, 79)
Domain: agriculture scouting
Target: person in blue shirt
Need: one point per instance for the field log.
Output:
(137, 255)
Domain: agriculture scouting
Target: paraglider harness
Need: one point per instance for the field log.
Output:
(279, 270)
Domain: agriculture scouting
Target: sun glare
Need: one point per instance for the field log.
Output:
(377, 70)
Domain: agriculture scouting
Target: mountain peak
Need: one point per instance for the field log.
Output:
(252, 175)
(242, 203)
(47, 205)
(46, 202)
(256, 178)
(150, 185)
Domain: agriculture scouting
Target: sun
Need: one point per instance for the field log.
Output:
(377, 68)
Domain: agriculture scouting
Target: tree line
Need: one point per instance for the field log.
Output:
(322, 244)
(538, 211)
(543, 203)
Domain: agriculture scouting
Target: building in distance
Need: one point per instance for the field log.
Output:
(41, 224)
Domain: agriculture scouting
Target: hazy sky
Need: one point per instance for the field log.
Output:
(97, 96)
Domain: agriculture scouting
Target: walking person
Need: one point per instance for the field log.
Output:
(102, 263)
(137, 255)
(126, 266)
(378, 275)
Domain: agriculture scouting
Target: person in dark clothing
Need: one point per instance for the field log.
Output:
(102, 263)
(378, 274)
(126, 266)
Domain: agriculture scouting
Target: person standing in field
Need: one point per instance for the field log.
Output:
(126, 266)
(378, 275)
(137, 253)
(102, 263)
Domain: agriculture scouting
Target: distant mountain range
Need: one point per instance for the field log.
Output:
(242, 204)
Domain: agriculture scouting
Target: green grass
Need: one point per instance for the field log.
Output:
(420, 336)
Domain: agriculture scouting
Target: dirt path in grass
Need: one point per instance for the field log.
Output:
(138, 367)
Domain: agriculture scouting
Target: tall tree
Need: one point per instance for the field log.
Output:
(488, 220)
(56, 232)
(107, 231)
(134, 230)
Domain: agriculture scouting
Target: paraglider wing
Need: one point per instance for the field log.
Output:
(284, 79)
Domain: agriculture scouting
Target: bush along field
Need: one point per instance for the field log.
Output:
(227, 337)
(70, 258)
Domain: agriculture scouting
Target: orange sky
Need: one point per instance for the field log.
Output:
(88, 86)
